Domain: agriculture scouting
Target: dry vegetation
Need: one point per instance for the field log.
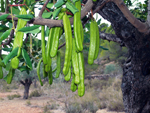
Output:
(58, 98)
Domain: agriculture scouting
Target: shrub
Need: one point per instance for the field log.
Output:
(111, 97)
(113, 69)
(11, 97)
(83, 104)
(73, 108)
(35, 93)
(28, 102)
(109, 69)
(48, 107)
(1, 99)
(90, 106)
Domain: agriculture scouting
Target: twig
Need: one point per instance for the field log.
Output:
(43, 8)
(62, 45)
(57, 23)
(110, 37)
(17, 5)
(11, 35)
(7, 6)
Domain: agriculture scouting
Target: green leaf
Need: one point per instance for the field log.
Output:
(12, 54)
(15, 10)
(47, 32)
(49, 5)
(5, 78)
(56, 12)
(8, 66)
(23, 68)
(3, 27)
(3, 17)
(103, 48)
(4, 35)
(47, 14)
(7, 49)
(59, 3)
(26, 58)
(25, 17)
(30, 28)
(34, 31)
(71, 7)
(98, 22)
(74, 1)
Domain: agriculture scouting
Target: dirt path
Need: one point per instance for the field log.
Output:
(34, 105)
(19, 105)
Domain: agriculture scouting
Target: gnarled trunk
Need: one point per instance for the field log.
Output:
(136, 71)
(136, 81)
(26, 84)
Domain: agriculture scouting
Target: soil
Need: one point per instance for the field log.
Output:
(33, 105)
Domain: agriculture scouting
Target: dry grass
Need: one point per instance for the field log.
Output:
(11, 97)
(111, 97)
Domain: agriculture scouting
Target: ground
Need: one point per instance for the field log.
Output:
(33, 105)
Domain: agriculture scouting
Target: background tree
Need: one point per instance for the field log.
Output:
(129, 31)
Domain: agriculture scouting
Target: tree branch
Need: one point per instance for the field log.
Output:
(52, 23)
(43, 8)
(62, 45)
(142, 27)
(7, 7)
(110, 37)
(22, 82)
(11, 35)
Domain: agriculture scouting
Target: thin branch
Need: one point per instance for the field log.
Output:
(11, 35)
(22, 82)
(110, 37)
(62, 45)
(101, 6)
(7, 7)
(43, 8)
(53, 23)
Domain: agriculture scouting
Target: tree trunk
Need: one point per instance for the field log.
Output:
(136, 71)
(35, 83)
(26, 84)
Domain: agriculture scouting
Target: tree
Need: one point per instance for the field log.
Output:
(130, 32)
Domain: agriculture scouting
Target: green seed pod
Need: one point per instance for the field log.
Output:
(15, 63)
(68, 37)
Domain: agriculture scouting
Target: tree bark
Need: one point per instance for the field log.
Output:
(136, 70)
(26, 84)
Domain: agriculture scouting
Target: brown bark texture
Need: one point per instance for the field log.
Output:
(26, 84)
(136, 70)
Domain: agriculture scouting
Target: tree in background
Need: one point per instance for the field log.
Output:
(131, 28)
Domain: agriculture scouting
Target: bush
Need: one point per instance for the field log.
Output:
(48, 107)
(35, 93)
(90, 106)
(109, 69)
(11, 97)
(28, 102)
(1, 99)
(83, 104)
(73, 108)
(113, 69)
(98, 84)
(111, 97)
